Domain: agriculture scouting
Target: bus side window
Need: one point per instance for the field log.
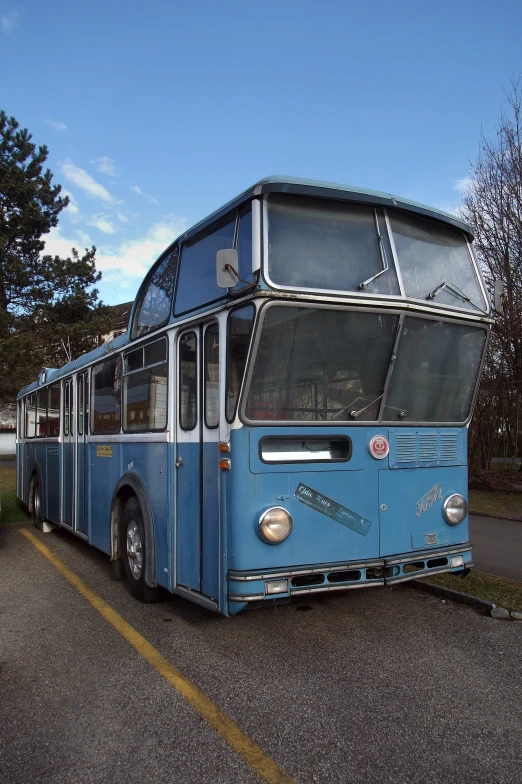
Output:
(80, 404)
(211, 376)
(30, 416)
(188, 381)
(53, 412)
(66, 408)
(239, 330)
(106, 394)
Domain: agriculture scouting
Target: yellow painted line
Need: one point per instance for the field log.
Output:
(250, 752)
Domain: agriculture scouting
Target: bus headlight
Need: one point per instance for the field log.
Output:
(275, 525)
(454, 509)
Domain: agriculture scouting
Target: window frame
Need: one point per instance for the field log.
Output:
(379, 422)
(92, 392)
(128, 373)
(212, 324)
(194, 331)
(249, 355)
(174, 249)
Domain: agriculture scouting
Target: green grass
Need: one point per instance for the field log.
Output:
(12, 512)
(496, 504)
(504, 593)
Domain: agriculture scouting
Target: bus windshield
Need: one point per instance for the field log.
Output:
(320, 364)
(340, 246)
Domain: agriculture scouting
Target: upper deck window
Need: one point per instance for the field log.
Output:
(197, 283)
(155, 297)
(329, 245)
(435, 262)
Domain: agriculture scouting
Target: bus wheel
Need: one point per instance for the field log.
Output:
(36, 505)
(133, 552)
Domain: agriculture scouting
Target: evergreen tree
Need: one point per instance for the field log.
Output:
(44, 300)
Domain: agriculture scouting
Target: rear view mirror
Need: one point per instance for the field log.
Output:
(498, 296)
(226, 268)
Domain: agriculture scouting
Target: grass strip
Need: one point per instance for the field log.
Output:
(11, 512)
(503, 592)
(496, 504)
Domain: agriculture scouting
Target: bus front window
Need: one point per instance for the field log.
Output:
(317, 364)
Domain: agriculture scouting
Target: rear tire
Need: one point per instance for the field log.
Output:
(36, 504)
(133, 552)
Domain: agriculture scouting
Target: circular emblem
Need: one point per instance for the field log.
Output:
(379, 447)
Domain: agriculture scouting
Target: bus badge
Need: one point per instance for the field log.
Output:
(428, 499)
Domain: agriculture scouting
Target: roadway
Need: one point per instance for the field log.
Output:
(497, 546)
(376, 685)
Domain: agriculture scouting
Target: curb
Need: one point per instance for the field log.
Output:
(455, 596)
(495, 517)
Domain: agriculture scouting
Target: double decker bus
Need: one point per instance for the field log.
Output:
(287, 412)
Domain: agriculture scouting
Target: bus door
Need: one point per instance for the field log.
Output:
(68, 455)
(197, 436)
(82, 397)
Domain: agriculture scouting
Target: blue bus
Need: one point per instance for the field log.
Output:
(287, 412)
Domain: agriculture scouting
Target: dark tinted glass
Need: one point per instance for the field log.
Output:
(239, 330)
(244, 250)
(435, 372)
(155, 352)
(145, 400)
(315, 364)
(153, 308)
(41, 416)
(106, 394)
(197, 275)
(322, 244)
(211, 369)
(188, 381)
(134, 360)
(53, 417)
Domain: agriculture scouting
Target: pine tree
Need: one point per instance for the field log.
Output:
(43, 299)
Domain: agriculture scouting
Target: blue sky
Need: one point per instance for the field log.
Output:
(157, 113)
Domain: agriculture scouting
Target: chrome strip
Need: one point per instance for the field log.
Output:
(426, 554)
(196, 597)
(234, 597)
(403, 578)
(247, 577)
(394, 252)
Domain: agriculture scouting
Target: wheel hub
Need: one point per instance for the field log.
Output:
(134, 550)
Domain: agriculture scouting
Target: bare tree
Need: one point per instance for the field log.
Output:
(492, 206)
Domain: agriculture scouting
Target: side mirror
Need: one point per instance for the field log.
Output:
(498, 296)
(225, 259)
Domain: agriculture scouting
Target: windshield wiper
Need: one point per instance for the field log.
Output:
(384, 259)
(456, 293)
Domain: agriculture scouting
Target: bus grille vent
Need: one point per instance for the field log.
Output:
(428, 448)
(449, 447)
(406, 448)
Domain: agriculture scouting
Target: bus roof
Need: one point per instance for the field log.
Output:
(274, 184)
(327, 190)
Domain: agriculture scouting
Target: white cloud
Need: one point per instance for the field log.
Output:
(102, 224)
(127, 260)
(463, 185)
(134, 257)
(9, 21)
(83, 180)
(57, 125)
(123, 218)
(105, 165)
(72, 208)
(146, 196)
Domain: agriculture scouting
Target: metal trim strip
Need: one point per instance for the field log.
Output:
(416, 556)
(401, 578)
(248, 577)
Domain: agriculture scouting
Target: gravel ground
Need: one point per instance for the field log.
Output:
(379, 685)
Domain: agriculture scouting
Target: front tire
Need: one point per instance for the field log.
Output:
(133, 552)
(36, 504)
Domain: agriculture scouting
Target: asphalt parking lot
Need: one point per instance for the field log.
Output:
(366, 686)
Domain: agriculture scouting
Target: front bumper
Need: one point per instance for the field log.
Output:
(255, 586)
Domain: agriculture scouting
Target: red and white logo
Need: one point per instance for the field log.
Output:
(379, 447)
